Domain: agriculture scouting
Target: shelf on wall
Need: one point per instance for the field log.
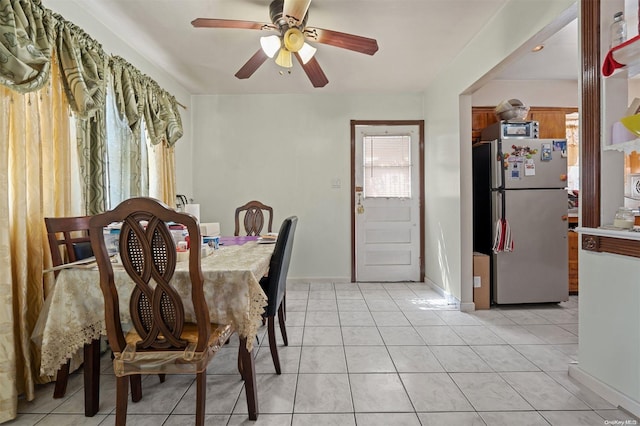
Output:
(622, 140)
(626, 147)
(625, 55)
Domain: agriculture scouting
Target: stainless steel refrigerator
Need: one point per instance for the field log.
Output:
(520, 180)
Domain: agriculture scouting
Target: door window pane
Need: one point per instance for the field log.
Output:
(387, 166)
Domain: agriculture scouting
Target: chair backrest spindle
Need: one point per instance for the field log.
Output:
(72, 235)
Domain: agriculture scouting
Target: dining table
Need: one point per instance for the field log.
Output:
(72, 318)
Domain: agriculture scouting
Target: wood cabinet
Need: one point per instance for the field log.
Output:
(553, 120)
(481, 117)
(572, 239)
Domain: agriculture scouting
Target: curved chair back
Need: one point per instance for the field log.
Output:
(253, 221)
(163, 340)
(148, 253)
(279, 266)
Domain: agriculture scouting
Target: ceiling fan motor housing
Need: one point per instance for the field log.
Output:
(293, 39)
(279, 20)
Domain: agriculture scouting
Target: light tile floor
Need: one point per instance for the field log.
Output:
(375, 354)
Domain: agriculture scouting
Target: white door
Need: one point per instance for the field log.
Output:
(387, 200)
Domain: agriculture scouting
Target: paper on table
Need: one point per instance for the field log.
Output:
(84, 262)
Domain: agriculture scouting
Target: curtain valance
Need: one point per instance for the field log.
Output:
(31, 32)
(137, 96)
(83, 67)
(25, 45)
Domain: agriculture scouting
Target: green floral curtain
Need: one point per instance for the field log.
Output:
(25, 45)
(162, 113)
(92, 152)
(128, 93)
(30, 33)
(129, 98)
(139, 96)
(29, 36)
(83, 67)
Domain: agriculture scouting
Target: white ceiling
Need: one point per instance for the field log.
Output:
(416, 38)
(558, 60)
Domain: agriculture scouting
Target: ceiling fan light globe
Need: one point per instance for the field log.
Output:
(293, 39)
(284, 58)
(306, 52)
(270, 45)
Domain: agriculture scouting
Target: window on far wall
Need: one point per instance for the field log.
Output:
(128, 160)
(573, 144)
(387, 166)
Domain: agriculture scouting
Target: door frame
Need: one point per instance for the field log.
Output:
(420, 125)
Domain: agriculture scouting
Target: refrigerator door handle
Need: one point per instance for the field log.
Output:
(500, 159)
(501, 188)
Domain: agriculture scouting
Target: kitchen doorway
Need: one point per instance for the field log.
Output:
(387, 203)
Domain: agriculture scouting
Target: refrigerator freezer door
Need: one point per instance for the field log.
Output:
(536, 270)
(545, 167)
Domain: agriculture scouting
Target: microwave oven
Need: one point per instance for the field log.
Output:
(506, 129)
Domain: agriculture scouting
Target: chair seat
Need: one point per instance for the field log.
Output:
(132, 361)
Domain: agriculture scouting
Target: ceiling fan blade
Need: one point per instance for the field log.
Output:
(231, 23)
(353, 42)
(252, 64)
(313, 71)
(295, 10)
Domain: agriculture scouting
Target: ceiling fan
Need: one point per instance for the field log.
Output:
(289, 20)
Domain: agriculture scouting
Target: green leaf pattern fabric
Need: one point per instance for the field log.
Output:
(92, 153)
(29, 33)
(129, 95)
(137, 96)
(25, 45)
(83, 65)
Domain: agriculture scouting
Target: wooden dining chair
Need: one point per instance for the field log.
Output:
(275, 284)
(69, 242)
(162, 337)
(253, 221)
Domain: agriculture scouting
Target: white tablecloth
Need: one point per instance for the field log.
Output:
(73, 314)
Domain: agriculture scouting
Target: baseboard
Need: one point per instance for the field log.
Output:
(467, 307)
(605, 391)
(451, 300)
(301, 280)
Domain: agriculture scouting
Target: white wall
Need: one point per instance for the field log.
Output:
(610, 322)
(285, 150)
(448, 151)
(540, 93)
